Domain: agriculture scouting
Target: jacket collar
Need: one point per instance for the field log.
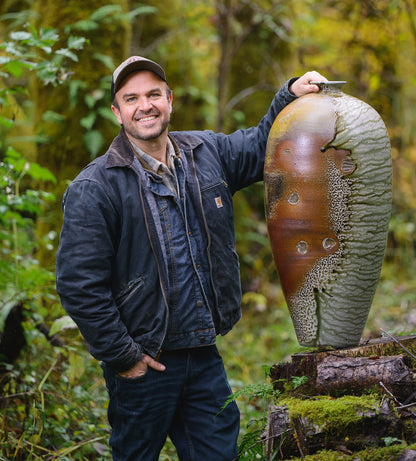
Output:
(185, 140)
(120, 152)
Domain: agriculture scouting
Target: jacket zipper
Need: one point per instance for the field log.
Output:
(208, 237)
(158, 265)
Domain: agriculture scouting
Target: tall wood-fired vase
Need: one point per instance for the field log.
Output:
(328, 202)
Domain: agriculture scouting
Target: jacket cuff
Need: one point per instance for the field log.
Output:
(133, 356)
(290, 83)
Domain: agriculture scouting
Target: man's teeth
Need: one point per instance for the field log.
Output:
(146, 119)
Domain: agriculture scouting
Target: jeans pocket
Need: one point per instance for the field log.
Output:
(134, 394)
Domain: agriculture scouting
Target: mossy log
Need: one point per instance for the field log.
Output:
(346, 425)
(354, 399)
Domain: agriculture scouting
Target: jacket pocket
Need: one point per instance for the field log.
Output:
(129, 291)
(215, 184)
(217, 199)
(219, 211)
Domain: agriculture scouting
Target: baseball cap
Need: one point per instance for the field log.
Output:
(134, 64)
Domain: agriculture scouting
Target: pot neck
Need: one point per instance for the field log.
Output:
(330, 86)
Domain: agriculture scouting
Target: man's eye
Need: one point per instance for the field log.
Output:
(131, 99)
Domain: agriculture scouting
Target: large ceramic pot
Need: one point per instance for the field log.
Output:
(328, 202)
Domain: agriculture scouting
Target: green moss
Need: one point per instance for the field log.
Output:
(370, 454)
(332, 413)
(361, 427)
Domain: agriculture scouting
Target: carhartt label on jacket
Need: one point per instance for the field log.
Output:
(218, 201)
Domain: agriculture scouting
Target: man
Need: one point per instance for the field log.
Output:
(147, 267)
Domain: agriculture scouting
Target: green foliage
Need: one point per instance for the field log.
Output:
(32, 49)
(254, 391)
(391, 440)
(38, 420)
(18, 209)
(97, 99)
(107, 14)
(21, 197)
(251, 443)
(298, 381)
(53, 408)
(250, 447)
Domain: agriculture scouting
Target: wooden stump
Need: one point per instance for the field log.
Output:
(352, 399)
(354, 370)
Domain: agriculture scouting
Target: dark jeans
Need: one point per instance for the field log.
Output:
(185, 402)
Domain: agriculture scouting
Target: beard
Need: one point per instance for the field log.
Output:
(133, 128)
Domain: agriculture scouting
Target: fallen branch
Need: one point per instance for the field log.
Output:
(401, 407)
(389, 393)
(399, 343)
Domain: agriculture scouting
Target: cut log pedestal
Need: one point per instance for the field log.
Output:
(352, 399)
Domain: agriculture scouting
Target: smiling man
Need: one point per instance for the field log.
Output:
(147, 266)
(143, 106)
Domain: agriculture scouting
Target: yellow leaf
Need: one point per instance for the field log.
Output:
(76, 367)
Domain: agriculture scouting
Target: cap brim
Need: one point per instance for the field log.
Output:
(137, 66)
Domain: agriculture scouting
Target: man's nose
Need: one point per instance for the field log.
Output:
(144, 104)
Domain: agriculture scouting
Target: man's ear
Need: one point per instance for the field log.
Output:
(170, 101)
(116, 112)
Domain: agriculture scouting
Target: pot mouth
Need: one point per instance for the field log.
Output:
(331, 84)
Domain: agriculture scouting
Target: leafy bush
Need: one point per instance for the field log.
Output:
(39, 419)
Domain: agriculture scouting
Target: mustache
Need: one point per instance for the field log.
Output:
(142, 114)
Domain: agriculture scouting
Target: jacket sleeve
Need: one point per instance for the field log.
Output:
(243, 152)
(83, 270)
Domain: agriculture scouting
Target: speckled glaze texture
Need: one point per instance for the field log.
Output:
(328, 202)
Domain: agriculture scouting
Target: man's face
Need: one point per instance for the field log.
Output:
(144, 107)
